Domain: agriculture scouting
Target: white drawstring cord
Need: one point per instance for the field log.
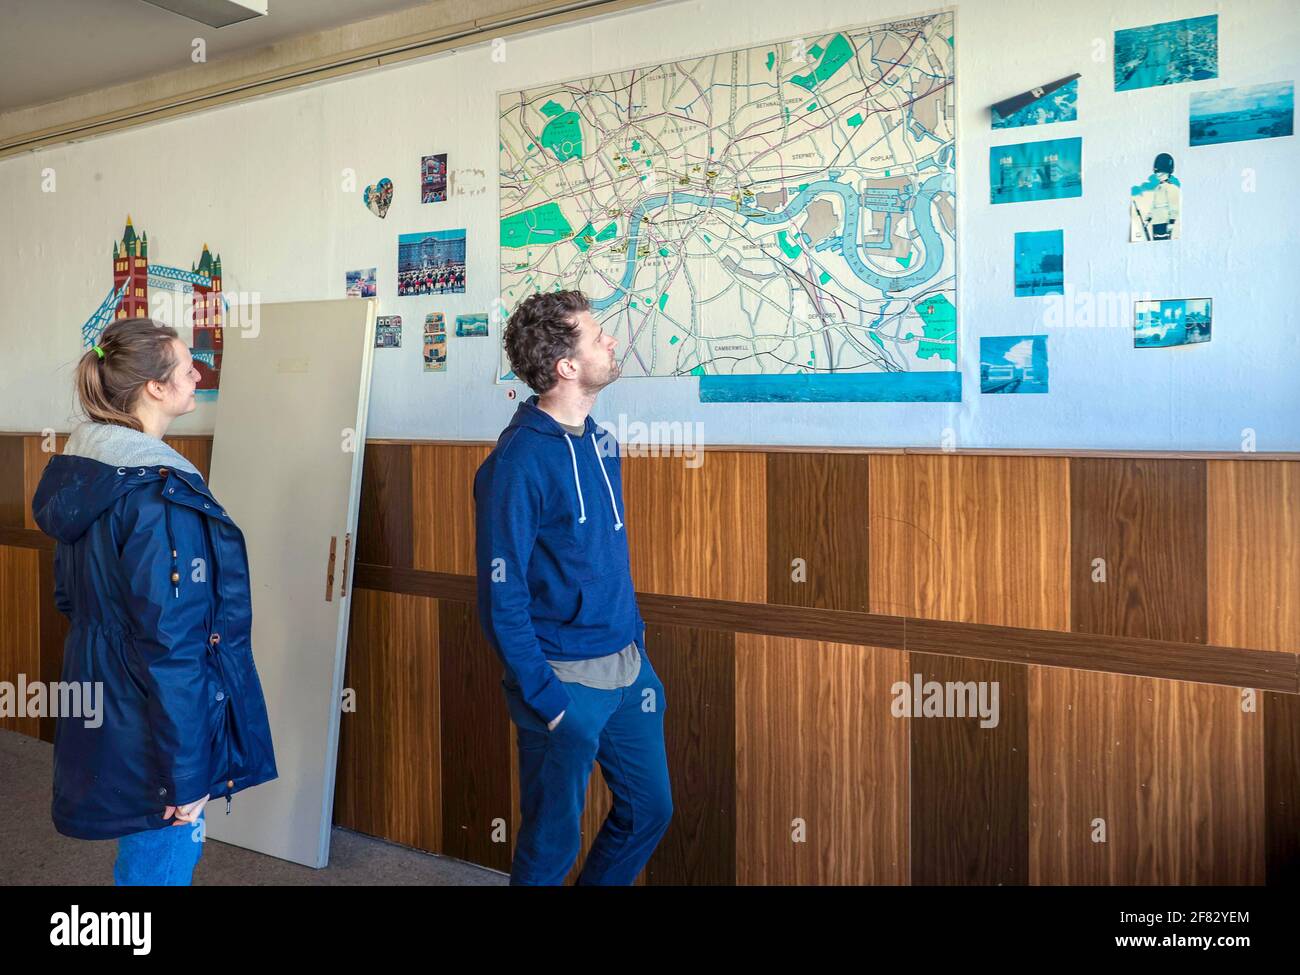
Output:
(582, 508)
(618, 522)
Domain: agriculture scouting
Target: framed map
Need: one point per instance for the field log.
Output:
(778, 220)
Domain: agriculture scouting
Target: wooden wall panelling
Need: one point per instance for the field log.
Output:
(476, 741)
(1253, 574)
(698, 531)
(442, 499)
(1282, 788)
(1146, 519)
(816, 741)
(14, 499)
(1253, 528)
(1174, 770)
(389, 780)
(818, 511)
(20, 640)
(385, 533)
(698, 671)
(976, 540)
(970, 782)
(53, 632)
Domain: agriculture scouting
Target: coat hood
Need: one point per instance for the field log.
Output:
(100, 463)
(530, 416)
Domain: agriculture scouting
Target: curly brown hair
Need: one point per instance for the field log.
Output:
(540, 333)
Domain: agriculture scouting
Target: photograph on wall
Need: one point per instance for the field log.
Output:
(431, 263)
(378, 197)
(1025, 171)
(388, 332)
(842, 217)
(1167, 54)
(1057, 101)
(361, 284)
(1173, 321)
(1013, 363)
(1241, 114)
(472, 325)
(1155, 205)
(190, 301)
(435, 342)
(433, 178)
(1040, 263)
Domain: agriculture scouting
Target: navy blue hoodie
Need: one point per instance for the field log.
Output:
(554, 580)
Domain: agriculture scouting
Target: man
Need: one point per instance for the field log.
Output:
(556, 601)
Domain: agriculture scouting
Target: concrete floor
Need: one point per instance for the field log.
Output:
(32, 853)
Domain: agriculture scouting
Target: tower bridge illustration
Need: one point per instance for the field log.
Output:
(133, 275)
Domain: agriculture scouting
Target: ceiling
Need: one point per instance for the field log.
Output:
(50, 49)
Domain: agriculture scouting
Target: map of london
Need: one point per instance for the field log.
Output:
(780, 220)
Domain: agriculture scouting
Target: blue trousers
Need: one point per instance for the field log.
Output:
(621, 729)
(163, 857)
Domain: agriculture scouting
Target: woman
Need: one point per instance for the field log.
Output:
(153, 575)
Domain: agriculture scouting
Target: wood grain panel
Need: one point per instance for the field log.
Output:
(13, 495)
(970, 783)
(389, 768)
(20, 639)
(1282, 788)
(1173, 769)
(53, 632)
(442, 506)
(816, 742)
(1146, 520)
(35, 457)
(971, 539)
(818, 511)
(698, 531)
(385, 535)
(1254, 554)
(698, 671)
(476, 741)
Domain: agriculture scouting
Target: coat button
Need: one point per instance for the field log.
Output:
(221, 695)
(206, 505)
(162, 791)
(215, 638)
(230, 784)
(162, 471)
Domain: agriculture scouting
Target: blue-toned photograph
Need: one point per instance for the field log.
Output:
(1167, 54)
(1040, 263)
(1177, 321)
(1048, 170)
(1013, 363)
(1061, 105)
(1241, 114)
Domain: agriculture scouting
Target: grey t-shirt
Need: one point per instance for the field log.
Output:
(615, 670)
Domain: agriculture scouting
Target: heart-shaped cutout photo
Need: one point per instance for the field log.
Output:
(379, 196)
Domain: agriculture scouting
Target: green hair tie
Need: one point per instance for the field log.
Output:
(99, 352)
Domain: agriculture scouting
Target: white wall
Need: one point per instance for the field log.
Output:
(260, 182)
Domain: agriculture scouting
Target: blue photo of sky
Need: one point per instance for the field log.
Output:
(1013, 363)
(1040, 263)
(1048, 170)
(1167, 54)
(1241, 114)
(1061, 105)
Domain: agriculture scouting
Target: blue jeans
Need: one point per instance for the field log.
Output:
(160, 857)
(623, 730)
